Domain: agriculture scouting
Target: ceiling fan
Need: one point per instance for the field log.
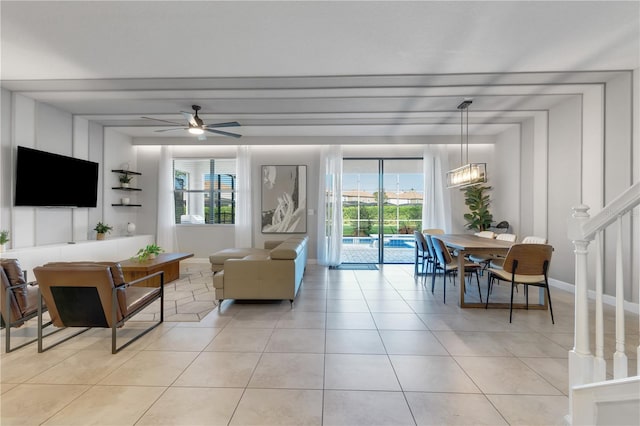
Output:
(196, 126)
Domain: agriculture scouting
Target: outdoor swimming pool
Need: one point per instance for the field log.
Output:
(390, 241)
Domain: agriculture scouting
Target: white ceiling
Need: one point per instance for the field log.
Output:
(287, 69)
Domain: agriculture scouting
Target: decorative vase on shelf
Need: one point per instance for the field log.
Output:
(131, 228)
(124, 185)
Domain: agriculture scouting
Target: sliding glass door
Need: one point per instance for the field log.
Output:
(382, 206)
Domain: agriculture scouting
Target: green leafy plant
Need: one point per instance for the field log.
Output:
(146, 252)
(4, 237)
(102, 228)
(125, 178)
(478, 202)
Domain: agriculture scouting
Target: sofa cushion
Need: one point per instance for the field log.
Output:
(219, 257)
(271, 244)
(256, 257)
(286, 251)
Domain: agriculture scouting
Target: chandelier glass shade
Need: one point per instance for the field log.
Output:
(470, 173)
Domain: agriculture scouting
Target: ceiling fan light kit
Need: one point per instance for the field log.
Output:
(196, 126)
(470, 173)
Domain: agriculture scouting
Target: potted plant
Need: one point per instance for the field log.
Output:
(124, 180)
(102, 229)
(147, 253)
(4, 238)
(478, 202)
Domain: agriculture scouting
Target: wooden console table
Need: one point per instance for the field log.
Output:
(169, 263)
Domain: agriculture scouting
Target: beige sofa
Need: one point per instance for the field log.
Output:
(271, 273)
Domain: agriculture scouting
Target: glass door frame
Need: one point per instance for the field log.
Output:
(380, 198)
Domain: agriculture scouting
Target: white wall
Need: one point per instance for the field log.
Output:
(565, 120)
(6, 161)
(38, 125)
(525, 220)
(618, 172)
(505, 179)
(119, 153)
(23, 219)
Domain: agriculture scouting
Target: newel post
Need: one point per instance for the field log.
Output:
(580, 357)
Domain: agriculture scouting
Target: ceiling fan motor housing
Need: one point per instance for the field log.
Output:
(197, 119)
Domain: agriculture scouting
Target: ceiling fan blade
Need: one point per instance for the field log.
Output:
(164, 121)
(190, 118)
(220, 132)
(202, 137)
(168, 130)
(228, 124)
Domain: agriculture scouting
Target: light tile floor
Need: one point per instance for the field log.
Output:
(357, 348)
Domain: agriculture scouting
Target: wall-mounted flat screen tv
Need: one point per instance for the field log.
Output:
(44, 179)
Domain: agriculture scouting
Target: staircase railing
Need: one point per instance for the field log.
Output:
(584, 367)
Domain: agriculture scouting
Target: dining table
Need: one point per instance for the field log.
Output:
(466, 244)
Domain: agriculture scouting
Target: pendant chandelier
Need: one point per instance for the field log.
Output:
(469, 173)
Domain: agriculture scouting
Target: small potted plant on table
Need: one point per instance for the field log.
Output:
(102, 229)
(147, 253)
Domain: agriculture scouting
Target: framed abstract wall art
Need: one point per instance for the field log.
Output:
(284, 199)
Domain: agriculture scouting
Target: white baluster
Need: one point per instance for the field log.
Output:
(600, 365)
(580, 357)
(619, 357)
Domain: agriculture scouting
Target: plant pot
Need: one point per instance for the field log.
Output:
(151, 256)
(124, 185)
(100, 236)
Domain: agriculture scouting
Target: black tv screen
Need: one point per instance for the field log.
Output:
(44, 179)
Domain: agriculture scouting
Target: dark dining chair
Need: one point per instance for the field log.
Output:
(422, 257)
(432, 261)
(449, 266)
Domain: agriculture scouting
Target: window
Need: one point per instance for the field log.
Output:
(205, 190)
